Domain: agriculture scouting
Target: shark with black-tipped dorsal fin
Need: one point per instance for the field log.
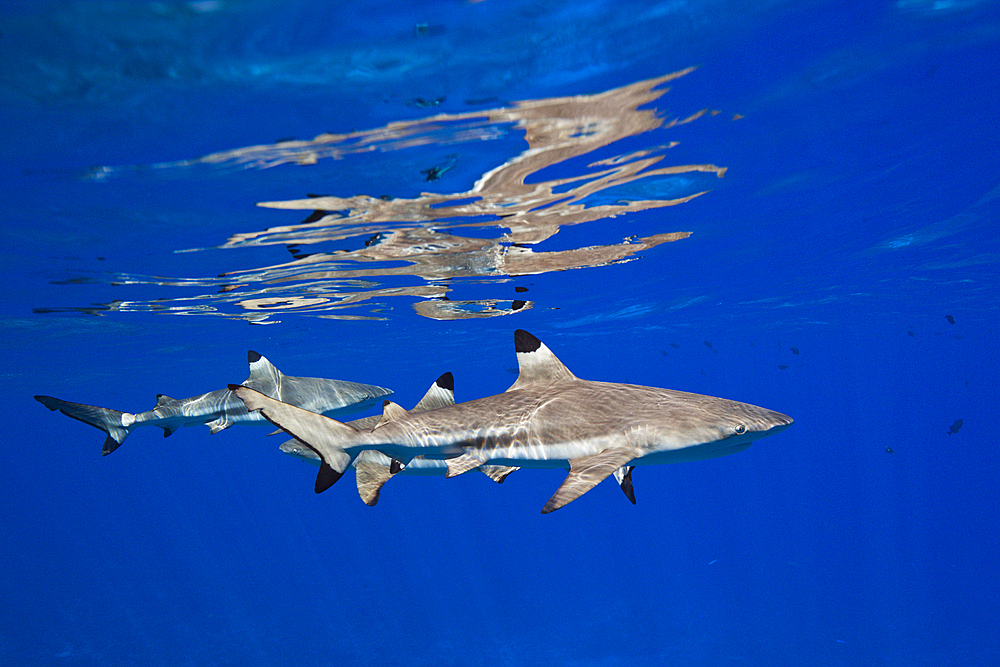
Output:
(374, 468)
(548, 418)
(220, 409)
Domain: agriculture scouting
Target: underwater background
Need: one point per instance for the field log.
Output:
(789, 204)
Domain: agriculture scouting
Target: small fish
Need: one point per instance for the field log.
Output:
(951, 320)
(956, 427)
(782, 366)
(707, 344)
(910, 333)
(888, 450)
(675, 346)
(795, 350)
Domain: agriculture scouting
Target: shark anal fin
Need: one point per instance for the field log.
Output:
(624, 478)
(585, 473)
(220, 424)
(497, 473)
(371, 478)
(464, 463)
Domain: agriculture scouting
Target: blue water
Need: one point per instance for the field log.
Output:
(856, 211)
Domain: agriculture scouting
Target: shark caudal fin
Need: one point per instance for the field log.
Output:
(321, 434)
(116, 424)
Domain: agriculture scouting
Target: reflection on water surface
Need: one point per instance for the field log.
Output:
(416, 247)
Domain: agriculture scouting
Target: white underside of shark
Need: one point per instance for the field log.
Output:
(220, 409)
(548, 418)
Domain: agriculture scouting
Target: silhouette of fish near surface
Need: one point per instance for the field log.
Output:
(220, 409)
(374, 468)
(548, 418)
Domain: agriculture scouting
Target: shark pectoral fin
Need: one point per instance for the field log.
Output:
(497, 473)
(390, 411)
(464, 462)
(624, 478)
(585, 473)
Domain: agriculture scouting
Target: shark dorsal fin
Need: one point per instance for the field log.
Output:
(162, 399)
(536, 362)
(441, 394)
(390, 412)
(264, 377)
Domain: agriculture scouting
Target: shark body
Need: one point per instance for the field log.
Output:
(548, 418)
(374, 468)
(221, 409)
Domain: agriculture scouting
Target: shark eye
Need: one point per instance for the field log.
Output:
(740, 429)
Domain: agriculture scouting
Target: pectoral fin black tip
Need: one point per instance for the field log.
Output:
(326, 478)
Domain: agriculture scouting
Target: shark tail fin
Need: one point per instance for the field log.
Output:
(116, 424)
(322, 435)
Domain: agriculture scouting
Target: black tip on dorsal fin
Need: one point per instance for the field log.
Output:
(253, 357)
(525, 342)
(446, 381)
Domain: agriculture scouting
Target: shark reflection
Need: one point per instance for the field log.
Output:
(416, 247)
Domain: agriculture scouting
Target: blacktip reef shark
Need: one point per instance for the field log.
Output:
(374, 468)
(548, 418)
(220, 409)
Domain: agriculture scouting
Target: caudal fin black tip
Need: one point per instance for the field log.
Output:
(326, 478)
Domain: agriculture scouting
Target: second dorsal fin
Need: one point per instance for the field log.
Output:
(390, 412)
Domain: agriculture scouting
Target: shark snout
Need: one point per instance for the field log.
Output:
(775, 422)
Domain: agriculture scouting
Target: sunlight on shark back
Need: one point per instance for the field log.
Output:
(549, 418)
